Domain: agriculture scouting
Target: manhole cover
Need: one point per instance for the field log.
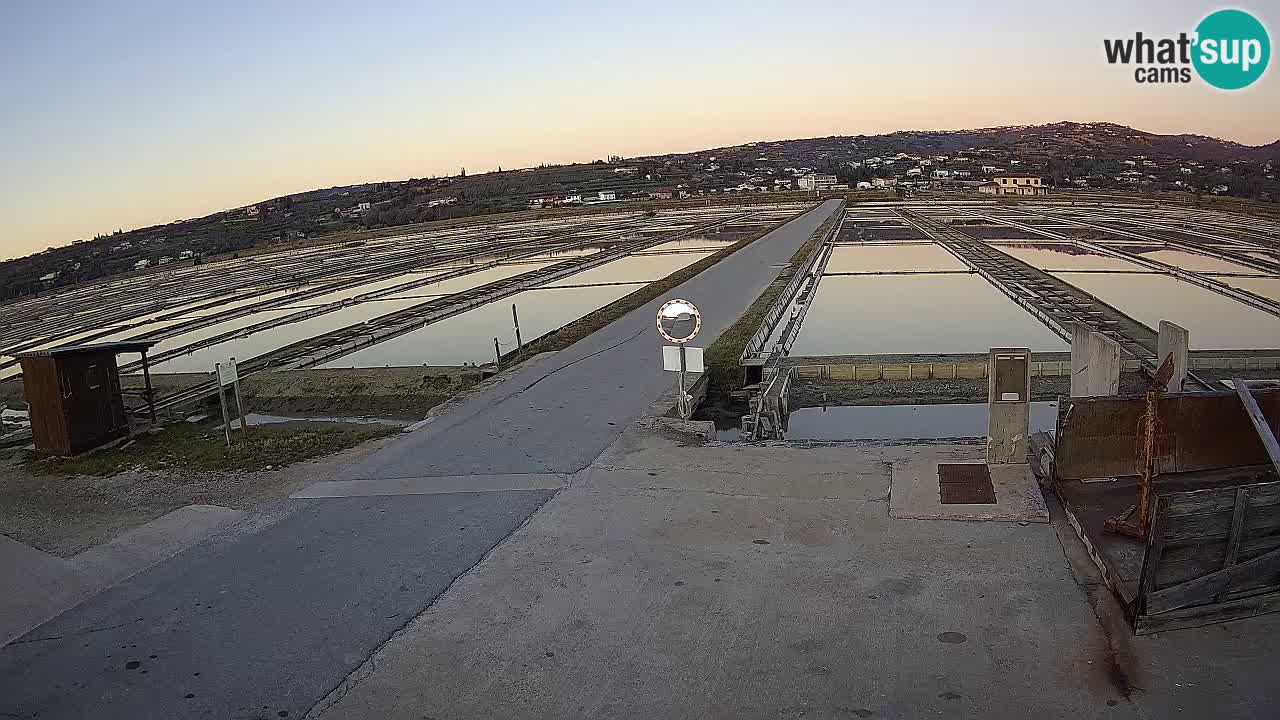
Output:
(965, 484)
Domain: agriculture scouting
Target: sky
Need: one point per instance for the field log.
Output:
(126, 114)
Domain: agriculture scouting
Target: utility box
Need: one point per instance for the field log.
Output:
(74, 395)
(1009, 405)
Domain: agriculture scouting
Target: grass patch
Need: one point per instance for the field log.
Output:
(591, 322)
(722, 357)
(184, 446)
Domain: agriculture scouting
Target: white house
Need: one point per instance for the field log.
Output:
(141, 264)
(864, 185)
(1015, 185)
(608, 195)
(816, 182)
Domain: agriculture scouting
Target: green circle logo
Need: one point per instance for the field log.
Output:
(1232, 49)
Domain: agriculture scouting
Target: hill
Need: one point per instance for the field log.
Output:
(1068, 154)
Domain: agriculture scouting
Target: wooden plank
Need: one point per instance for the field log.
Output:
(1155, 551)
(1204, 588)
(1173, 573)
(1195, 502)
(1207, 614)
(1237, 531)
(1249, 548)
(1253, 586)
(1212, 527)
(1259, 421)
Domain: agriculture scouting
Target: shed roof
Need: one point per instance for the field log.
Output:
(125, 346)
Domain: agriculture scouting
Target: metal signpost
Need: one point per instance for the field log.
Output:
(679, 322)
(235, 384)
(227, 375)
(516, 320)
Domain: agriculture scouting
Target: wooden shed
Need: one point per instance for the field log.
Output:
(74, 395)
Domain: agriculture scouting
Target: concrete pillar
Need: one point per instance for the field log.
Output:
(1174, 341)
(1009, 402)
(1095, 364)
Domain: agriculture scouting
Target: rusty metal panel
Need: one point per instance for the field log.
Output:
(1100, 437)
(1214, 431)
(965, 484)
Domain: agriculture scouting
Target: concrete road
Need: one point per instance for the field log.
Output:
(558, 415)
(745, 582)
(264, 619)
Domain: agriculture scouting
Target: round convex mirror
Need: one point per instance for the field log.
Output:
(679, 321)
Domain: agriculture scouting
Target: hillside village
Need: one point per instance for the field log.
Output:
(1066, 156)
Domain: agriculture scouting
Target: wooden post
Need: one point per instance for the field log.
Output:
(1151, 559)
(235, 384)
(497, 353)
(146, 379)
(1235, 534)
(1259, 421)
(516, 319)
(222, 400)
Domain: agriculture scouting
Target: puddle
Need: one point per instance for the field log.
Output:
(903, 422)
(916, 314)
(1215, 322)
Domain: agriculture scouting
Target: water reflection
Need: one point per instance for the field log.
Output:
(916, 314)
(1063, 256)
(1268, 287)
(1215, 322)
(1198, 263)
(902, 422)
(892, 258)
(468, 338)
